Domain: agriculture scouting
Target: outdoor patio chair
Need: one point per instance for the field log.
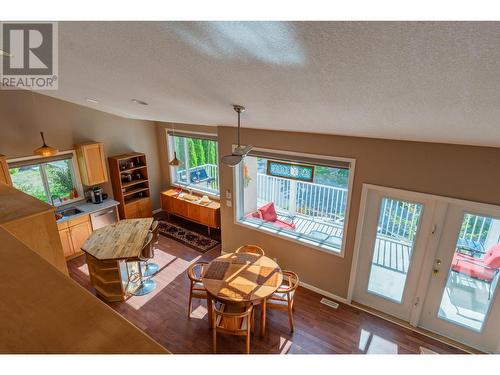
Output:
(484, 269)
(200, 175)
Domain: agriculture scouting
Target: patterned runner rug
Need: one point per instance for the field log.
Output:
(194, 240)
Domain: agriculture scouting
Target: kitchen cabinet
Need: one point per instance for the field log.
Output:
(4, 171)
(92, 163)
(66, 242)
(73, 234)
(138, 209)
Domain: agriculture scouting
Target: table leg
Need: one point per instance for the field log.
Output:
(263, 307)
(209, 312)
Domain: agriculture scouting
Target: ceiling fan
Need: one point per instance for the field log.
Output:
(241, 151)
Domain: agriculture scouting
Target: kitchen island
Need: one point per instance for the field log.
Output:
(107, 251)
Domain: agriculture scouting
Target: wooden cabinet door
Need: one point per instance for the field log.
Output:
(195, 212)
(67, 246)
(145, 208)
(79, 234)
(92, 163)
(180, 207)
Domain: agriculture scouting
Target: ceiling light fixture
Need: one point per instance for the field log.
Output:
(239, 152)
(92, 100)
(45, 150)
(137, 101)
(174, 162)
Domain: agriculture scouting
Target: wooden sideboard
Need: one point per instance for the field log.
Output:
(189, 208)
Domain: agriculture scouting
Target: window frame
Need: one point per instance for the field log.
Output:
(173, 170)
(240, 220)
(37, 160)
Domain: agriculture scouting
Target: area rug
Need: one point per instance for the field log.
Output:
(194, 240)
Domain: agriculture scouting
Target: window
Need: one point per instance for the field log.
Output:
(299, 198)
(198, 169)
(52, 180)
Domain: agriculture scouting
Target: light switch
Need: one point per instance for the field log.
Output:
(228, 194)
(229, 203)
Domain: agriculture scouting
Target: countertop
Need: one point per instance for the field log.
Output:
(121, 240)
(43, 311)
(87, 208)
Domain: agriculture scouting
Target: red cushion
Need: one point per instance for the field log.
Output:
(463, 264)
(268, 212)
(492, 257)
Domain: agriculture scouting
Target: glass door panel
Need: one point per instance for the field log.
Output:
(473, 275)
(394, 244)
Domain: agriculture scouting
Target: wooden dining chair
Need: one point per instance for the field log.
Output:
(283, 298)
(232, 319)
(196, 289)
(254, 249)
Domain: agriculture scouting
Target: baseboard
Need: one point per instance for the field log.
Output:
(323, 292)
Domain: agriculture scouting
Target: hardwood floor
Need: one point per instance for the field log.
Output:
(318, 328)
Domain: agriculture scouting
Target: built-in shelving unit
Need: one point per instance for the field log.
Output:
(129, 176)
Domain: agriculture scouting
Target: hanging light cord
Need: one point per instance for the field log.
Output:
(239, 111)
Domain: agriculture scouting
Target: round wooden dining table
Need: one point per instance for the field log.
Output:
(242, 278)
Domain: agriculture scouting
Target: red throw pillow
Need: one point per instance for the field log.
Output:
(492, 258)
(268, 212)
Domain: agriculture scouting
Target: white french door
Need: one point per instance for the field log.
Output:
(462, 302)
(395, 229)
(431, 261)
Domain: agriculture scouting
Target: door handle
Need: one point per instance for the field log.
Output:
(435, 271)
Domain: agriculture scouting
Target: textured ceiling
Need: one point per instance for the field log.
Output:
(428, 81)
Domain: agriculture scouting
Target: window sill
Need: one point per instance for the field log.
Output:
(290, 236)
(199, 191)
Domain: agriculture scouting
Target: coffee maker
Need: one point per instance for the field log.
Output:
(96, 195)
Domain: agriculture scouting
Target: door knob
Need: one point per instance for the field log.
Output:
(438, 262)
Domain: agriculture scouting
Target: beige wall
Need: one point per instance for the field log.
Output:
(65, 124)
(465, 172)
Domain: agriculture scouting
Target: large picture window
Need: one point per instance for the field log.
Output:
(303, 199)
(198, 169)
(52, 180)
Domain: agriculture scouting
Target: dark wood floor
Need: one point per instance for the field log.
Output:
(318, 328)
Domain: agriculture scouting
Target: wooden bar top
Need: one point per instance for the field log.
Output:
(43, 311)
(15, 205)
(121, 240)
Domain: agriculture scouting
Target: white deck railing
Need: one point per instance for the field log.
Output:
(297, 197)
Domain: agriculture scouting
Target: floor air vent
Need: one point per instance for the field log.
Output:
(329, 302)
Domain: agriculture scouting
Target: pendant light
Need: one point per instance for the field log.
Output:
(239, 152)
(174, 162)
(45, 150)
